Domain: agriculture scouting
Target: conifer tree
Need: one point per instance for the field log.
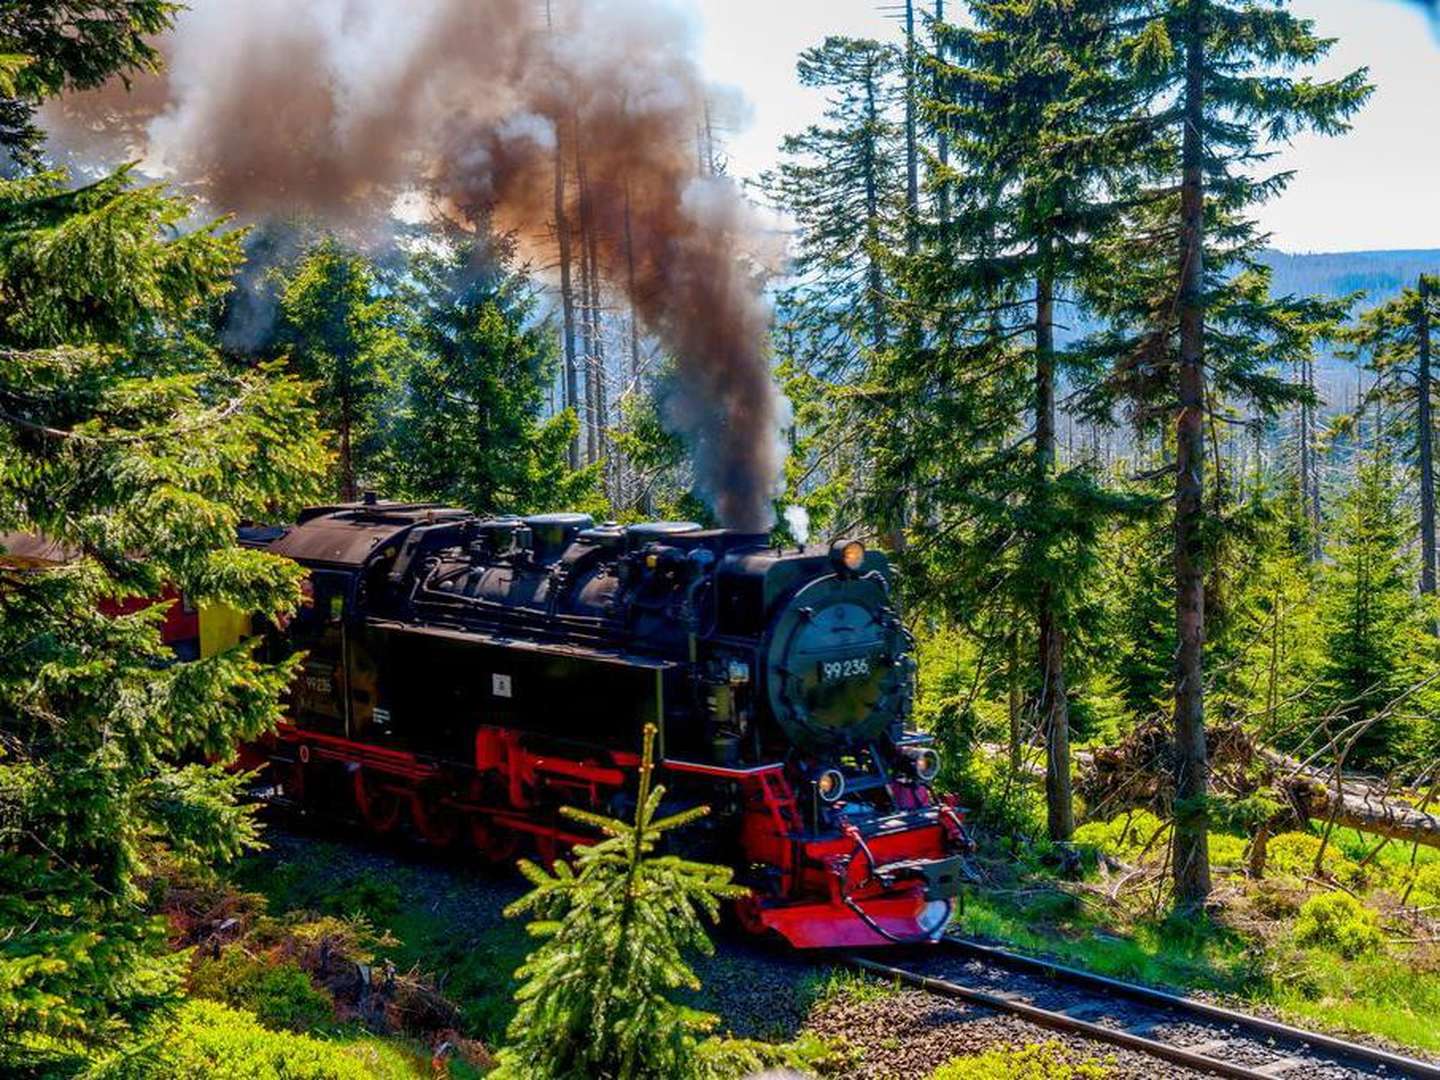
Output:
(128, 443)
(844, 183)
(1043, 128)
(341, 331)
(1371, 622)
(614, 929)
(1397, 339)
(1218, 78)
(467, 427)
(68, 45)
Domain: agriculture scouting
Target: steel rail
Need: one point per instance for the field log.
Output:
(1337, 1051)
(1358, 1052)
(1057, 1021)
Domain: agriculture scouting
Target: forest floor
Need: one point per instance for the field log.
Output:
(444, 921)
(1352, 949)
(1371, 971)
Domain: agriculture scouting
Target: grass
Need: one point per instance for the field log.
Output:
(1038, 1061)
(1163, 952)
(1250, 952)
(830, 984)
(473, 966)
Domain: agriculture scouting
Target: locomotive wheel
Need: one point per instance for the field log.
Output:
(437, 822)
(382, 808)
(496, 843)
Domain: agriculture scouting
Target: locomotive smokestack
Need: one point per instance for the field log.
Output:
(334, 107)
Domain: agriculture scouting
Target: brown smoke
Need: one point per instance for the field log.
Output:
(333, 107)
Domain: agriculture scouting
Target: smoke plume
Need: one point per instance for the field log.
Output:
(335, 107)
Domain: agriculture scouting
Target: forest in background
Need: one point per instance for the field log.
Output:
(1161, 500)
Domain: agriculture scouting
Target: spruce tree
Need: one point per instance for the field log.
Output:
(1194, 324)
(341, 330)
(129, 444)
(1372, 623)
(51, 46)
(614, 930)
(1397, 339)
(467, 426)
(1043, 130)
(844, 183)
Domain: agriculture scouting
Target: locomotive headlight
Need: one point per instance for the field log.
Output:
(926, 763)
(848, 554)
(830, 785)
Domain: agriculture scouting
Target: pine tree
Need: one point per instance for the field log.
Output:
(1396, 337)
(130, 444)
(614, 929)
(1372, 623)
(467, 426)
(844, 184)
(1043, 129)
(51, 46)
(341, 331)
(1215, 73)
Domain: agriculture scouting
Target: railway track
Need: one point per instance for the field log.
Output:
(1185, 1031)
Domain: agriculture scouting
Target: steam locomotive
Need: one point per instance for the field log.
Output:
(465, 677)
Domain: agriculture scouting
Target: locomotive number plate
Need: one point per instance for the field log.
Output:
(834, 670)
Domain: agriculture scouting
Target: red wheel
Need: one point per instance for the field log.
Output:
(495, 842)
(291, 778)
(435, 820)
(380, 805)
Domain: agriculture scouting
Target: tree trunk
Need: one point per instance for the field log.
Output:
(1017, 756)
(567, 294)
(942, 139)
(1054, 705)
(1191, 863)
(347, 461)
(875, 276)
(588, 326)
(912, 153)
(1426, 425)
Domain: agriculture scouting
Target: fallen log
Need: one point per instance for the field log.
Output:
(1135, 774)
(1356, 802)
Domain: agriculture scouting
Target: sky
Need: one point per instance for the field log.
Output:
(1376, 188)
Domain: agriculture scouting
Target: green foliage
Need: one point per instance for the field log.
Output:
(1378, 644)
(1125, 836)
(468, 427)
(1294, 853)
(342, 331)
(49, 46)
(279, 994)
(128, 442)
(613, 931)
(1036, 1061)
(210, 1041)
(1339, 922)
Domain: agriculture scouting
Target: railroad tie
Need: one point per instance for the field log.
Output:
(1275, 1068)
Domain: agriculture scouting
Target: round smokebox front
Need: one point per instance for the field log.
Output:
(833, 671)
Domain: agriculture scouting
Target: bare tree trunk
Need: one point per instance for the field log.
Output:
(912, 158)
(1017, 757)
(1191, 860)
(567, 293)
(588, 325)
(602, 410)
(942, 138)
(1426, 424)
(1054, 704)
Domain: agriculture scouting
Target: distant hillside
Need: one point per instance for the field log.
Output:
(1378, 274)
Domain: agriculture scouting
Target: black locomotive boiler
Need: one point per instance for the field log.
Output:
(466, 677)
